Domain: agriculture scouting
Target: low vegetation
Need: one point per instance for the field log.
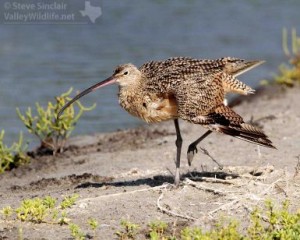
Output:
(78, 234)
(268, 222)
(69, 201)
(53, 132)
(265, 223)
(289, 74)
(48, 210)
(129, 230)
(13, 156)
(157, 230)
(40, 210)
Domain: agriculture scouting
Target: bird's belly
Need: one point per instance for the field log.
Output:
(156, 112)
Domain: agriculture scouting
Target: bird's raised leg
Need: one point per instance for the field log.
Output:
(178, 145)
(193, 147)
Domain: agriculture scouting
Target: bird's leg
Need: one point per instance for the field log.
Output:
(178, 145)
(193, 147)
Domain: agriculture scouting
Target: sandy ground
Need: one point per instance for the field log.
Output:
(124, 175)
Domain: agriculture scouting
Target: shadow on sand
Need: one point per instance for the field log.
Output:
(158, 180)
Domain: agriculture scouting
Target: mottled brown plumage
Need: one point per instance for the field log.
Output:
(186, 88)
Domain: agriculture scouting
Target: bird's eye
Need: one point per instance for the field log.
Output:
(125, 73)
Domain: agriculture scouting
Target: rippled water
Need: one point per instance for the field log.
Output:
(38, 62)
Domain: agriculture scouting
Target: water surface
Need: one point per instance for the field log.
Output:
(38, 62)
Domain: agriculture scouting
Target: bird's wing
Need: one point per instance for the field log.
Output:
(196, 92)
(161, 70)
(199, 95)
(166, 76)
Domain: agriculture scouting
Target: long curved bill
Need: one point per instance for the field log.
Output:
(105, 82)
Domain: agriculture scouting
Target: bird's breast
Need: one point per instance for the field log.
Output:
(149, 107)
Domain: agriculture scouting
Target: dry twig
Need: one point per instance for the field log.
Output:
(170, 212)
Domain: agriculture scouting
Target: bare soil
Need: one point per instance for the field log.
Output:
(128, 174)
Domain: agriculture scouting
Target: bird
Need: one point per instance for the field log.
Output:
(185, 88)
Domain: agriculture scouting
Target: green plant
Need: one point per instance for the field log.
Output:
(53, 132)
(32, 210)
(69, 201)
(129, 230)
(256, 227)
(226, 232)
(49, 202)
(266, 223)
(7, 212)
(157, 230)
(277, 224)
(295, 44)
(289, 75)
(63, 220)
(41, 210)
(13, 156)
(76, 232)
(192, 233)
(93, 225)
(281, 224)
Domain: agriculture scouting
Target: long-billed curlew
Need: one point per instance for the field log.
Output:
(186, 88)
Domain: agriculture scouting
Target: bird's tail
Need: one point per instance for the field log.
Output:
(248, 133)
(226, 121)
(236, 67)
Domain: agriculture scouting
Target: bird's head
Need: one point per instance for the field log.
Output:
(125, 75)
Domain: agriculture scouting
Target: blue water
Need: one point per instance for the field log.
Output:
(38, 62)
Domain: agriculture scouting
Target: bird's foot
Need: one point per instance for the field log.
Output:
(192, 150)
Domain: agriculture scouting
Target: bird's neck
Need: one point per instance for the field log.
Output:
(130, 88)
(128, 91)
(128, 96)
